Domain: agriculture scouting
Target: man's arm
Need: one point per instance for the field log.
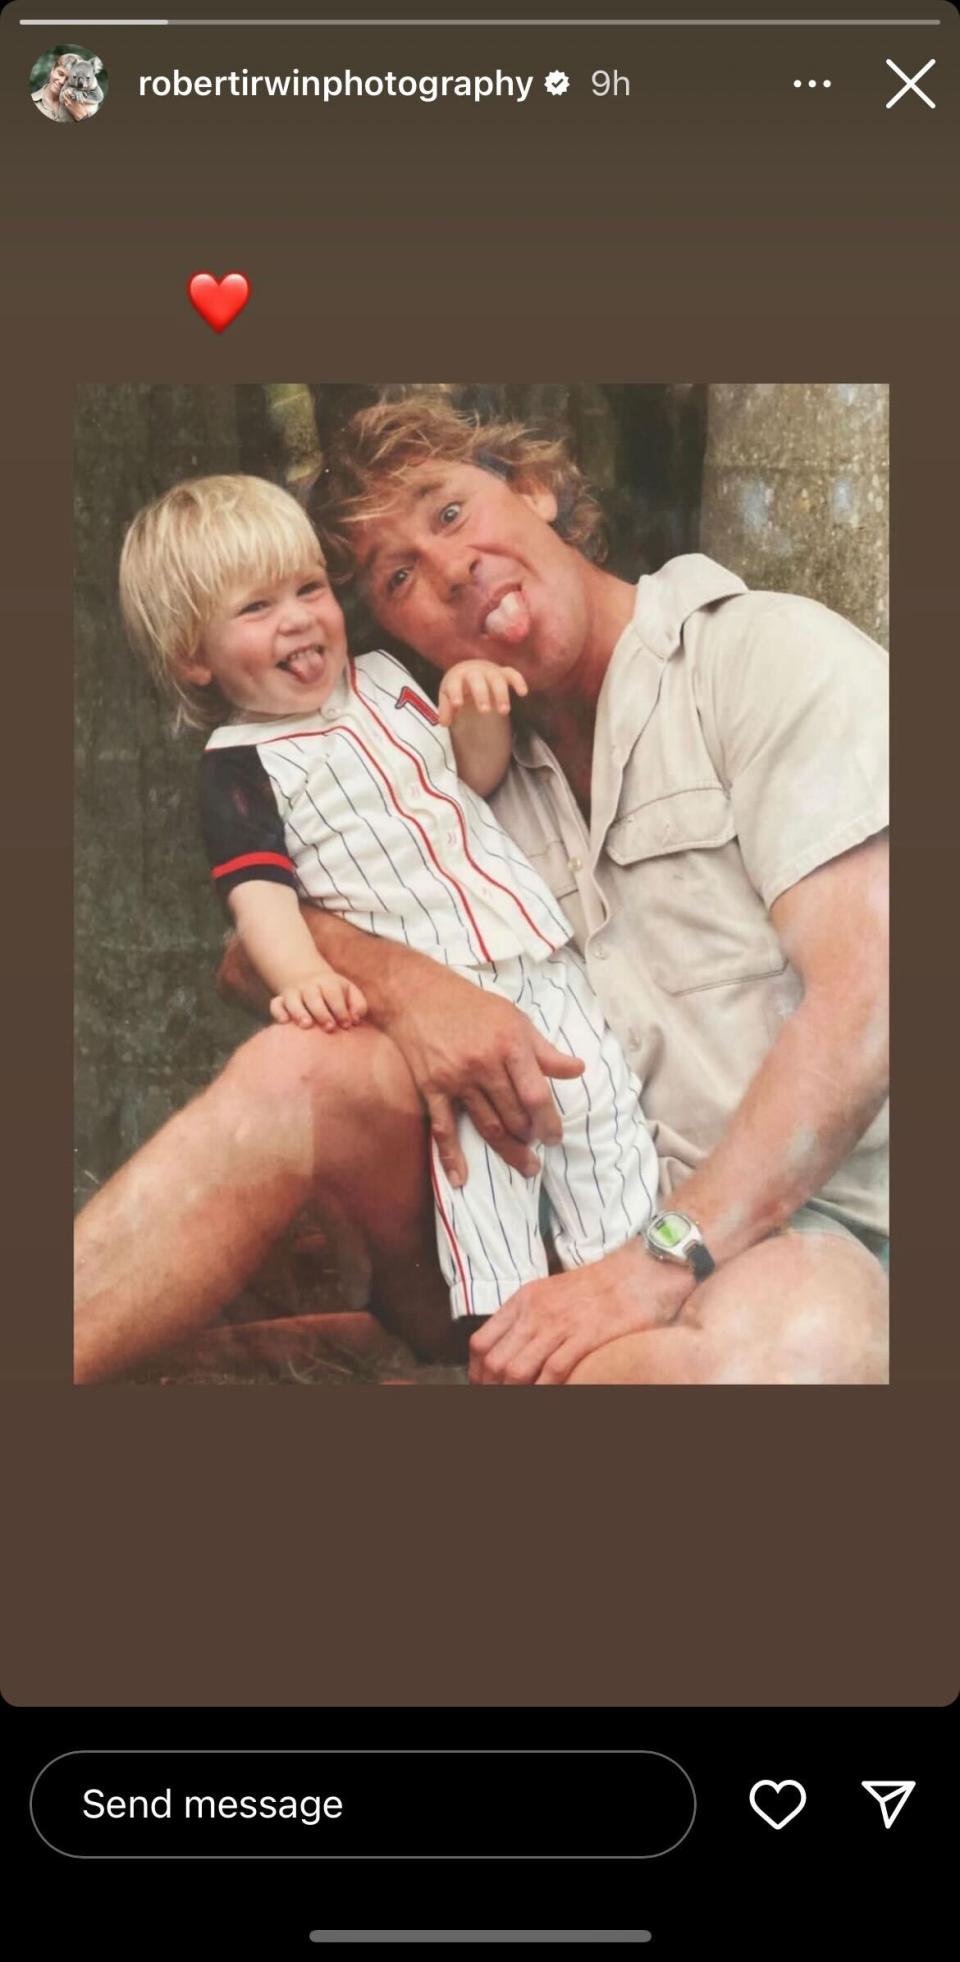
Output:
(460, 1045)
(827, 1075)
(822, 1082)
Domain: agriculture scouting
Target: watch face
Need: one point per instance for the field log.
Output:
(670, 1230)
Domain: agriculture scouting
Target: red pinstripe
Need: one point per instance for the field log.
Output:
(448, 1229)
(344, 729)
(411, 754)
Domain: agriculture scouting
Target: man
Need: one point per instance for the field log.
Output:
(51, 102)
(702, 783)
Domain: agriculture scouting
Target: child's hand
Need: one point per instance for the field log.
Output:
(322, 998)
(482, 685)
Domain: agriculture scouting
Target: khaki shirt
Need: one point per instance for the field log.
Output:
(54, 111)
(740, 742)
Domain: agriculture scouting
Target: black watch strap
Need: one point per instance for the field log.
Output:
(701, 1263)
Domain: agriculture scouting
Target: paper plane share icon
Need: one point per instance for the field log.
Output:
(891, 1796)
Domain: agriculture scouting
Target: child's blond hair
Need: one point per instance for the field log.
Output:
(181, 557)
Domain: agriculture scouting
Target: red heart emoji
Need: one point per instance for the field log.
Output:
(219, 300)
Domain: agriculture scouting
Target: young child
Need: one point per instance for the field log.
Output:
(337, 781)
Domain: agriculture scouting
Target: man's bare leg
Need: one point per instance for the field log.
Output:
(295, 1114)
(800, 1308)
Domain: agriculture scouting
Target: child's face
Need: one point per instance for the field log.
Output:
(275, 650)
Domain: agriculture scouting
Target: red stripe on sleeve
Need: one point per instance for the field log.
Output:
(252, 858)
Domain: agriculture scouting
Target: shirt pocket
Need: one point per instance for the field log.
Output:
(555, 867)
(677, 874)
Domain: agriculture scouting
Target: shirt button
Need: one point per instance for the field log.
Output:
(575, 864)
(601, 953)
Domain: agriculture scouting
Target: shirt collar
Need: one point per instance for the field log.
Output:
(666, 599)
(663, 605)
(245, 726)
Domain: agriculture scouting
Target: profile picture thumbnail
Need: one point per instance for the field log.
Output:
(68, 84)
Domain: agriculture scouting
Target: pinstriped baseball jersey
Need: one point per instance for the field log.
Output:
(358, 806)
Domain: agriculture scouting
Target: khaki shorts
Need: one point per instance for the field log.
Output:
(810, 1219)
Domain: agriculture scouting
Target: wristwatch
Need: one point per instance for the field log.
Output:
(676, 1237)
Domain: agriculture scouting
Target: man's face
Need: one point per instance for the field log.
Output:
(464, 567)
(275, 649)
(55, 80)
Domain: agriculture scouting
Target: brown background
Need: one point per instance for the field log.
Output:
(732, 1546)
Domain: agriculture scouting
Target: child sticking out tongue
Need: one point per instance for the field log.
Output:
(306, 665)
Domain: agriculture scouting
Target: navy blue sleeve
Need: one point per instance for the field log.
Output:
(242, 827)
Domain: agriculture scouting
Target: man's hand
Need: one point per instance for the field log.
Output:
(475, 1049)
(548, 1327)
(461, 1045)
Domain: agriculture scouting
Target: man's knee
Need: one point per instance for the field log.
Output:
(358, 1073)
(840, 1300)
(808, 1308)
(799, 1308)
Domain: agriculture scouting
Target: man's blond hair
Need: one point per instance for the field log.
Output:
(185, 553)
(379, 448)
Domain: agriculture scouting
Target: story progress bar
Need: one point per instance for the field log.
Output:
(481, 1935)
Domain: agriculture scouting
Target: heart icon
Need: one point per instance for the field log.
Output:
(770, 1813)
(219, 300)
